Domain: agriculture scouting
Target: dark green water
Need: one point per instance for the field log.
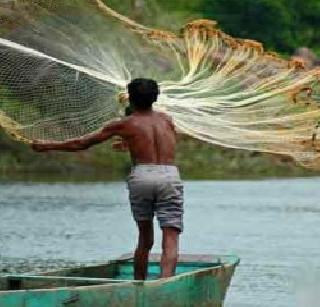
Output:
(273, 225)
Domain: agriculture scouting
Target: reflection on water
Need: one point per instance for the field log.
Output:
(272, 225)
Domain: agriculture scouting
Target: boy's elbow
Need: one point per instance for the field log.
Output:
(82, 144)
(74, 146)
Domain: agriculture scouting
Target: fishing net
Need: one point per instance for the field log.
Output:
(64, 65)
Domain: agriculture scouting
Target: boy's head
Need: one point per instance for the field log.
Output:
(143, 93)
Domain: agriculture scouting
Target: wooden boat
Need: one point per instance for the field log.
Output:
(199, 281)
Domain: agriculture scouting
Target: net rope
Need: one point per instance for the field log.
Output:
(63, 66)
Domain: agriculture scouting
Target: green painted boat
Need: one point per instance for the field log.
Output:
(200, 280)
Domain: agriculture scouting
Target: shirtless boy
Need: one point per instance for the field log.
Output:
(154, 183)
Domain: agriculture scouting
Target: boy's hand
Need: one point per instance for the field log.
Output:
(123, 98)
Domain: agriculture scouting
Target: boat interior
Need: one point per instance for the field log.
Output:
(114, 272)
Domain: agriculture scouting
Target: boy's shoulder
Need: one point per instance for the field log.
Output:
(168, 119)
(164, 115)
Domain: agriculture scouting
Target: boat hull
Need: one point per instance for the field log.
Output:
(201, 287)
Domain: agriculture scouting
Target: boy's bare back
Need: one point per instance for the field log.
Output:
(150, 136)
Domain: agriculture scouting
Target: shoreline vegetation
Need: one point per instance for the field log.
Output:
(277, 24)
(196, 160)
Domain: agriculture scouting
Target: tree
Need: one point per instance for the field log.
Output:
(282, 25)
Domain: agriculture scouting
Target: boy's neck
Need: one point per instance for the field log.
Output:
(147, 111)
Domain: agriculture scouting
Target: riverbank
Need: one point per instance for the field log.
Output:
(197, 161)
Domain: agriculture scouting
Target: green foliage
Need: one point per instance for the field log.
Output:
(6, 100)
(197, 160)
(164, 14)
(282, 25)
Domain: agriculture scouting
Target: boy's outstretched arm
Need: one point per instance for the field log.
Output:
(82, 143)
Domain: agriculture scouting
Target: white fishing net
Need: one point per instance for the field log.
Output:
(63, 65)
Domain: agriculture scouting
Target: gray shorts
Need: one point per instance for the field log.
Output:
(157, 189)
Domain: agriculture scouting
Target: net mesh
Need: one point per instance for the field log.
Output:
(64, 64)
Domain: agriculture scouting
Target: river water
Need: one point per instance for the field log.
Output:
(272, 225)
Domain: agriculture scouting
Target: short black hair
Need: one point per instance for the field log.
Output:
(143, 93)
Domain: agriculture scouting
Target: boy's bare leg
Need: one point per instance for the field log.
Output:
(170, 241)
(141, 254)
